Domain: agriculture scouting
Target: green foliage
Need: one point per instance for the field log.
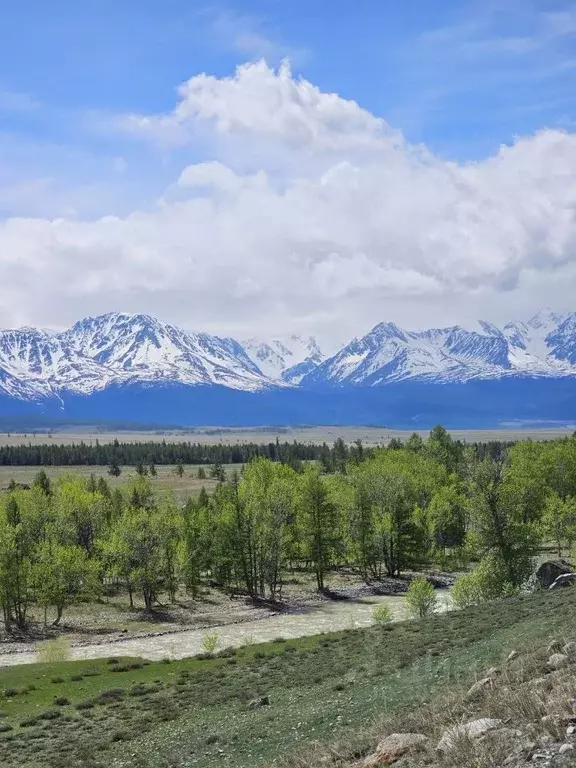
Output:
(488, 581)
(381, 511)
(210, 642)
(421, 598)
(381, 614)
(53, 651)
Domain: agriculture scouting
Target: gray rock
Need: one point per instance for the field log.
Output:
(570, 650)
(262, 701)
(566, 748)
(492, 672)
(558, 661)
(393, 747)
(512, 655)
(566, 580)
(549, 571)
(471, 730)
(554, 646)
(478, 687)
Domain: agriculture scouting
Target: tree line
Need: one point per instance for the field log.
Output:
(382, 512)
(166, 453)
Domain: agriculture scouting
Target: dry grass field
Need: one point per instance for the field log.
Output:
(229, 436)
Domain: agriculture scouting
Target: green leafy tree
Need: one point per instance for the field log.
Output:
(421, 598)
(62, 575)
(318, 521)
(559, 521)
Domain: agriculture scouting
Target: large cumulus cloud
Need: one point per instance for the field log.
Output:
(307, 213)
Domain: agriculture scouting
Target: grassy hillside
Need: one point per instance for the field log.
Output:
(198, 712)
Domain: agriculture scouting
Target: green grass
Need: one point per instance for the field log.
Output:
(166, 480)
(197, 712)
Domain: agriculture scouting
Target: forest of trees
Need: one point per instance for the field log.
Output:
(162, 453)
(381, 512)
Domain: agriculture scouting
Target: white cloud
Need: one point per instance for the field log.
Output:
(339, 223)
(271, 104)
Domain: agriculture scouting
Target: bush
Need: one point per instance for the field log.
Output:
(51, 714)
(487, 582)
(29, 722)
(421, 598)
(381, 614)
(54, 651)
(210, 642)
(4, 728)
(61, 701)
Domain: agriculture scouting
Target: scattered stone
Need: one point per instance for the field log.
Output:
(393, 747)
(512, 655)
(492, 672)
(558, 661)
(479, 686)
(471, 730)
(261, 701)
(566, 748)
(570, 650)
(571, 730)
(555, 646)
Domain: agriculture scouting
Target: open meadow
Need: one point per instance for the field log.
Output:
(370, 436)
(166, 480)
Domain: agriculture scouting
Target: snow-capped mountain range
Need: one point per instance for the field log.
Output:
(545, 345)
(118, 350)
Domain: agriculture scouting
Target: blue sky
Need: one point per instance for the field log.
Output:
(459, 78)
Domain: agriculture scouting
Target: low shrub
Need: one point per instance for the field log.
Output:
(421, 598)
(61, 701)
(29, 722)
(381, 614)
(108, 697)
(210, 641)
(54, 651)
(88, 704)
(51, 714)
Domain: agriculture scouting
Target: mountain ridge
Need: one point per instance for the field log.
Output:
(120, 365)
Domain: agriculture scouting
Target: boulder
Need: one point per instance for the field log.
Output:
(492, 672)
(471, 730)
(478, 687)
(549, 571)
(512, 655)
(565, 580)
(558, 661)
(393, 747)
(262, 701)
(570, 650)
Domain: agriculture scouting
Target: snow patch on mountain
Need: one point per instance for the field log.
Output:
(288, 358)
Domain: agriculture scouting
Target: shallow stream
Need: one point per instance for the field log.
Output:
(321, 617)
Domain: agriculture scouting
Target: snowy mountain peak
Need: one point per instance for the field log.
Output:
(545, 345)
(287, 358)
(546, 318)
(122, 349)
